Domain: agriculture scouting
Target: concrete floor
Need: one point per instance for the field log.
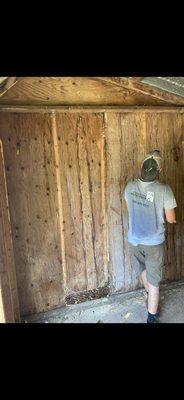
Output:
(119, 308)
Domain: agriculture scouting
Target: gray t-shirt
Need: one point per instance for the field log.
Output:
(146, 203)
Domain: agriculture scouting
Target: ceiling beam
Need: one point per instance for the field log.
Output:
(92, 109)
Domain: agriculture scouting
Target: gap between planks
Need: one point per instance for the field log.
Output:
(59, 194)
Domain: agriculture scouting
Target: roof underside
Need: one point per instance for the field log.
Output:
(91, 91)
(169, 84)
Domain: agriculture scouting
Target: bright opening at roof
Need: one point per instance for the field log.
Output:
(170, 84)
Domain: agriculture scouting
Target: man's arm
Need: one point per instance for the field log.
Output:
(170, 215)
(125, 206)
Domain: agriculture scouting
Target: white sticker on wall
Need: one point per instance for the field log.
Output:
(150, 196)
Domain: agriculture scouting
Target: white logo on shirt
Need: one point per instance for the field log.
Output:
(150, 196)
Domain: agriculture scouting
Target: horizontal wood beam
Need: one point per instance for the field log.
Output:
(89, 109)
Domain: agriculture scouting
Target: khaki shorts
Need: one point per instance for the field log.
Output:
(150, 258)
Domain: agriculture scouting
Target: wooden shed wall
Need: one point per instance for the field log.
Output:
(55, 179)
(129, 136)
(65, 177)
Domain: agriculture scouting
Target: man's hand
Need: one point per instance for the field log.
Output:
(170, 215)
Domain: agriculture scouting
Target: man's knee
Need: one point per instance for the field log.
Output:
(154, 278)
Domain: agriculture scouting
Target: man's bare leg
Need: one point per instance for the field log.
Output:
(143, 279)
(153, 299)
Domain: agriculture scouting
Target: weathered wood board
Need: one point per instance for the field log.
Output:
(73, 91)
(129, 136)
(9, 303)
(66, 173)
(82, 182)
(30, 170)
(34, 178)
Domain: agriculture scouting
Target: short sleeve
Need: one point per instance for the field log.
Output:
(125, 193)
(169, 199)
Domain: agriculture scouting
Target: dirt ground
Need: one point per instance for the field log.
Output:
(118, 308)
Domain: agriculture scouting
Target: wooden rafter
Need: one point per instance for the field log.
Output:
(136, 85)
(6, 84)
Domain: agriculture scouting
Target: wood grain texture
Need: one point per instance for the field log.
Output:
(168, 137)
(140, 88)
(66, 174)
(113, 190)
(31, 181)
(49, 109)
(9, 304)
(7, 84)
(126, 146)
(81, 143)
(75, 91)
(59, 194)
(55, 176)
(129, 137)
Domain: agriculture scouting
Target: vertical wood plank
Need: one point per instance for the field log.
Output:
(9, 304)
(72, 203)
(113, 192)
(85, 160)
(105, 239)
(59, 195)
(82, 176)
(94, 133)
(178, 180)
(32, 190)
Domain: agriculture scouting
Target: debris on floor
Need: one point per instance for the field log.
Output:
(127, 315)
(120, 308)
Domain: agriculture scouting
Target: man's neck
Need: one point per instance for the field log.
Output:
(142, 180)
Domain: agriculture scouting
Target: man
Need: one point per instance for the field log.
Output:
(149, 203)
